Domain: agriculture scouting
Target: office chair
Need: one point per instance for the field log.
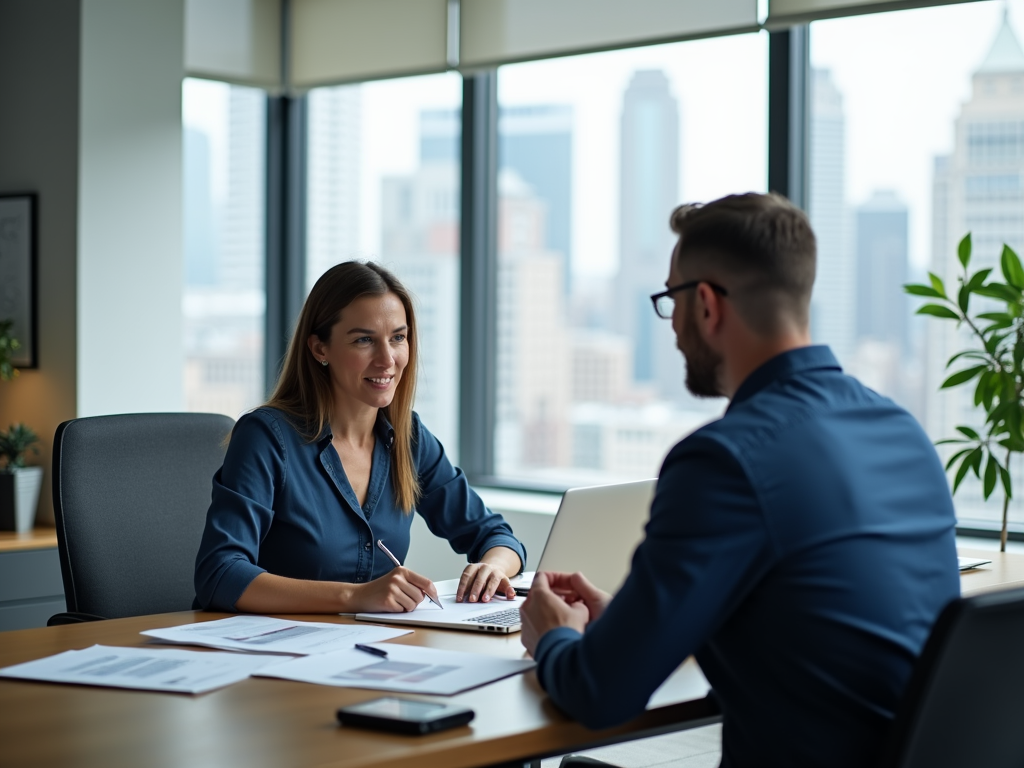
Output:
(130, 495)
(964, 703)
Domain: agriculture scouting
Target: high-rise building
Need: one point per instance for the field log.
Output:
(649, 190)
(241, 262)
(332, 182)
(978, 188)
(833, 303)
(881, 265)
(199, 236)
(535, 141)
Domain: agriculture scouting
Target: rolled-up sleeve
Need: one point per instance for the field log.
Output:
(241, 512)
(451, 508)
(706, 543)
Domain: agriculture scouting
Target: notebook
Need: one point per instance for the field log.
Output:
(971, 562)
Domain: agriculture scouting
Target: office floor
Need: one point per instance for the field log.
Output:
(696, 748)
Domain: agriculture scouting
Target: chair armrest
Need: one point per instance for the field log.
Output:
(72, 617)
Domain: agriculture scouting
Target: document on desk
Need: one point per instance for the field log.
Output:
(262, 634)
(407, 669)
(146, 669)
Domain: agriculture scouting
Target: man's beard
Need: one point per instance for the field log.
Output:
(702, 362)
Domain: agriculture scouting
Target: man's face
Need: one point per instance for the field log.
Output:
(702, 362)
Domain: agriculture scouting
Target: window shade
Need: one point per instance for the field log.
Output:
(339, 41)
(502, 31)
(238, 41)
(785, 13)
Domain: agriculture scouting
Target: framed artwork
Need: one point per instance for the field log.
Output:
(18, 274)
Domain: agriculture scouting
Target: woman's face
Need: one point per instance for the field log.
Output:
(368, 351)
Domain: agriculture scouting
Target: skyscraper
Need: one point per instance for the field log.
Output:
(881, 264)
(979, 188)
(649, 189)
(833, 307)
(332, 183)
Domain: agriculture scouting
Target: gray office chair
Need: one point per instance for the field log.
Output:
(130, 495)
(964, 703)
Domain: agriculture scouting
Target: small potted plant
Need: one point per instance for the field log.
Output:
(19, 485)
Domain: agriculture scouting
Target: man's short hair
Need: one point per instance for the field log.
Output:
(760, 247)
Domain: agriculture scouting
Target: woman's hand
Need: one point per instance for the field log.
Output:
(398, 591)
(481, 581)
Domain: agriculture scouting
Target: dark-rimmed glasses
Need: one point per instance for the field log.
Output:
(664, 302)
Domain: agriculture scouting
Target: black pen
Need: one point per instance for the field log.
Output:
(393, 559)
(371, 649)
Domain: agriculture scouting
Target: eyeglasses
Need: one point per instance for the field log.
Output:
(664, 303)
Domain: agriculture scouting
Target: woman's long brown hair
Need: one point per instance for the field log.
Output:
(303, 389)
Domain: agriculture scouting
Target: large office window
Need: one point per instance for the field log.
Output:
(911, 147)
(224, 296)
(383, 185)
(594, 153)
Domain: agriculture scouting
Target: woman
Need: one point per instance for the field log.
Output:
(337, 461)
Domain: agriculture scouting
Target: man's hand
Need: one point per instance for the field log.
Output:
(545, 610)
(575, 587)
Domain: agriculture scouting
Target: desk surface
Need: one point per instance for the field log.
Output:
(37, 538)
(264, 722)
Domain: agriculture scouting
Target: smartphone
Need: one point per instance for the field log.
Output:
(391, 713)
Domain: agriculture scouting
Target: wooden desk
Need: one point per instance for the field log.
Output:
(1005, 571)
(262, 722)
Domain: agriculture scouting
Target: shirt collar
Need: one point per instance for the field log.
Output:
(382, 429)
(783, 366)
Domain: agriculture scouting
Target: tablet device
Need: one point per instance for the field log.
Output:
(390, 713)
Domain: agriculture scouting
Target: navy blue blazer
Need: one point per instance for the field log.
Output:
(801, 547)
(283, 505)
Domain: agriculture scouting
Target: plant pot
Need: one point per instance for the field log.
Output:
(19, 497)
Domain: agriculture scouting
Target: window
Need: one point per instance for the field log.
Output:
(383, 185)
(224, 297)
(594, 152)
(911, 148)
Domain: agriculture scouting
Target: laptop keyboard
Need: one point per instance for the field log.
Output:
(506, 618)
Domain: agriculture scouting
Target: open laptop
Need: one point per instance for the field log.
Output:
(595, 531)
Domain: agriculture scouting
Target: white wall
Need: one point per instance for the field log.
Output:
(39, 52)
(130, 208)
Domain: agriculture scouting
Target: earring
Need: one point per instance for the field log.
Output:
(323, 363)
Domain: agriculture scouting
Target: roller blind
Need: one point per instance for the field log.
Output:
(784, 13)
(238, 41)
(338, 41)
(501, 31)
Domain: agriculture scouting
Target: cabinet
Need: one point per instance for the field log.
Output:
(31, 589)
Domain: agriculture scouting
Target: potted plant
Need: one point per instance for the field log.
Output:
(19, 485)
(995, 364)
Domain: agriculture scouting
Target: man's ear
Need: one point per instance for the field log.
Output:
(709, 309)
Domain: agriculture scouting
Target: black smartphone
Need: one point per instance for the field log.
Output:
(390, 713)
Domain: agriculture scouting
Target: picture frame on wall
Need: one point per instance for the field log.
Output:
(18, 274)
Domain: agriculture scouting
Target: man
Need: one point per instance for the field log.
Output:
(801, 546)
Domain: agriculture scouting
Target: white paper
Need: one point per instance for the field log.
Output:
(408, 668)
(262, 634)
(146, 669)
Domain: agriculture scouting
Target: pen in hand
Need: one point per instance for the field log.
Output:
(386, 551)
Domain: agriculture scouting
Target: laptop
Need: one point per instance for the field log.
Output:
(596, 531)
(966, 563)
(499, 616)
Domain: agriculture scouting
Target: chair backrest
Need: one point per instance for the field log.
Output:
(130, 495)
(965, 701)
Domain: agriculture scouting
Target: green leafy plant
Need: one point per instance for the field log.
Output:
(994, 365)
(15, 443)
(8, 345)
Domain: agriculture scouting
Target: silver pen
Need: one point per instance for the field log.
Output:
(386, 551)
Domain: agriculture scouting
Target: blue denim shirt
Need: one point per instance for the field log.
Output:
(283, 505)
(801, 547)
